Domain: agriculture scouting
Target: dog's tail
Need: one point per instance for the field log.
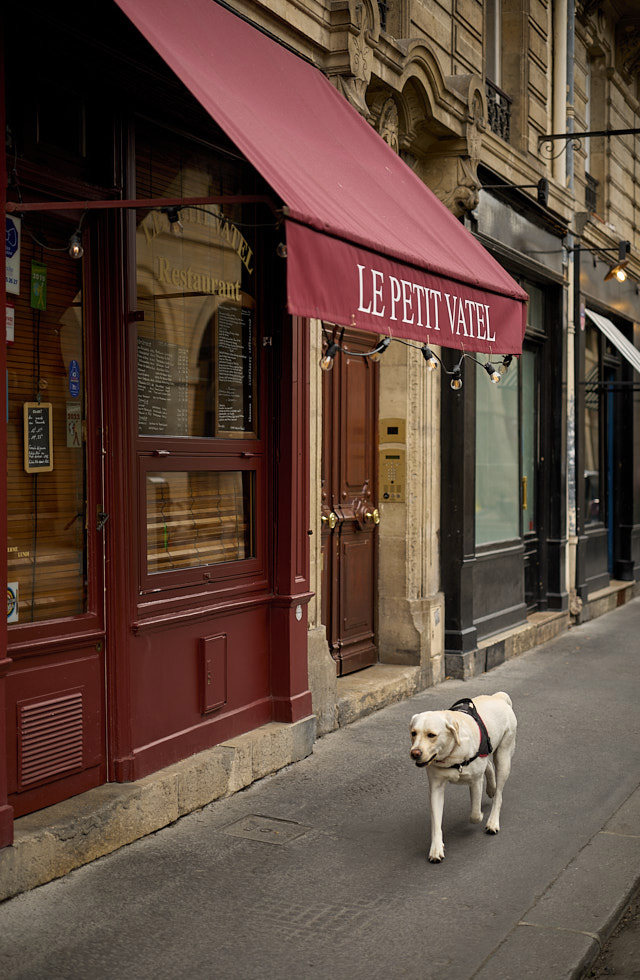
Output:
(504, 696)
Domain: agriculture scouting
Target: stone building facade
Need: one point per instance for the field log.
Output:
(405, 514)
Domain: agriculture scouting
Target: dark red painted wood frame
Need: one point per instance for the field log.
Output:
(6, 811)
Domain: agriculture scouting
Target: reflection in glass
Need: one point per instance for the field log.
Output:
(593, 510)
(46, 512)
(199, 518)
(196, 347)
(529, 440)
(497, 462)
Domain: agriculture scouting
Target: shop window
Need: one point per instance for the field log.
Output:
(497, 459)
(46, 450)
(198, 518)
(197, 365)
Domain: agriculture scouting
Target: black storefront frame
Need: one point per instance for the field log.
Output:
(609, 549)
(470, 573)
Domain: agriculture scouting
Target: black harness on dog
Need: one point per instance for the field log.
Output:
(467, 706)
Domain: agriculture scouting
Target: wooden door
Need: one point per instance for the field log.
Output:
(349, 504)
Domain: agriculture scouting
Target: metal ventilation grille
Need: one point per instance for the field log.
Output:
(50, 738)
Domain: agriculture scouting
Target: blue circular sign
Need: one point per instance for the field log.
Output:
(12, 238)
(74, 379)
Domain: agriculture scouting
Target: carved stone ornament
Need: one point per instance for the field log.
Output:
(454, 181)
(354, 86)
(388, 125)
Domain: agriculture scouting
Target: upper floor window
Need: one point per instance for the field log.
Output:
(493, 41)
(498, 102)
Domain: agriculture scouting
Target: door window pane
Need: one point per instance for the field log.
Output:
(497, 459)
(593, 490)
(196, 346)
(529, 440)
(46, 514)
(197, 517)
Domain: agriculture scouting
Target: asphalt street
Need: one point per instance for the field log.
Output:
(320, 872)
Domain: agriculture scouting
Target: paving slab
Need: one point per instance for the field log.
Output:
(320, 870)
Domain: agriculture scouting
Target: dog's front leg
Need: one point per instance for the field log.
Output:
(475, 791)
(436, 795)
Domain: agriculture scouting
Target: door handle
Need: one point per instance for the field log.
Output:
(102, 520)
(373, 515)
(524, 493)
(331, 520)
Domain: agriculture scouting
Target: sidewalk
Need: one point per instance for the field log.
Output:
(321, 870)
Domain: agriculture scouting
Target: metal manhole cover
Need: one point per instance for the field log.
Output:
(270, 830)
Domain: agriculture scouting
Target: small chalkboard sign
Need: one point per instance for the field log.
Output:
(38, 437)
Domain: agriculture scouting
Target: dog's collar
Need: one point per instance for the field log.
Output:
(467, 706)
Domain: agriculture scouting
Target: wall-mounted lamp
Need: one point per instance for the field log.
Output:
(542, 189)
(76, 248)
(618, 271)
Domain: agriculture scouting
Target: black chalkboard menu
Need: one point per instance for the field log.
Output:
(163, 388)
(38, 437)
(235, 372)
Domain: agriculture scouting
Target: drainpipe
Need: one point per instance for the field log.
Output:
(574, 455)
(559, 106)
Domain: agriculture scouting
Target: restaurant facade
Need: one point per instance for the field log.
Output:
(185, 240)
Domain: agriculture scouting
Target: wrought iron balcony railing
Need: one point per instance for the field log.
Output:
(498, 111)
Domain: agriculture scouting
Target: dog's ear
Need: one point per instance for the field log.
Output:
(452, 726)
(413, 721)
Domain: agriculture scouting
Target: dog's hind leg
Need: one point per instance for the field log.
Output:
(502, 757)
(490, 775)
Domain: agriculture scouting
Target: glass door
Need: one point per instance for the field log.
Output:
(529, 467)
(55, 596)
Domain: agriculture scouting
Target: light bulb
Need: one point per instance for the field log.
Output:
(506, 361)
(621, 275)
(326, 361)
(429, 357)
(494, 376)
(76, 248)
(379, 349)
(456, 380)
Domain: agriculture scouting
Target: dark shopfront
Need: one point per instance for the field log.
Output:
(503, 514)
(607, 366)
(157, 424)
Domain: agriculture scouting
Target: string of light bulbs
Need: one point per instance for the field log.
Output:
(333, 347)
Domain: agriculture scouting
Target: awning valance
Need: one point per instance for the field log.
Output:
(616, 337)
(368, 243)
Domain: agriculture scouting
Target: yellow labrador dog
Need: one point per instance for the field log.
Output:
(456, 746)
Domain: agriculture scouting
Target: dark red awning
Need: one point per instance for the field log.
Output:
(368, 243)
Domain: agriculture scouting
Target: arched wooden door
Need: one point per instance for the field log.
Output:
(349, 504)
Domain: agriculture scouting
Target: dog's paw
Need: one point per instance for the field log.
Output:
(436, 860)
(476, 817)
(492, 830)
(436, 854)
